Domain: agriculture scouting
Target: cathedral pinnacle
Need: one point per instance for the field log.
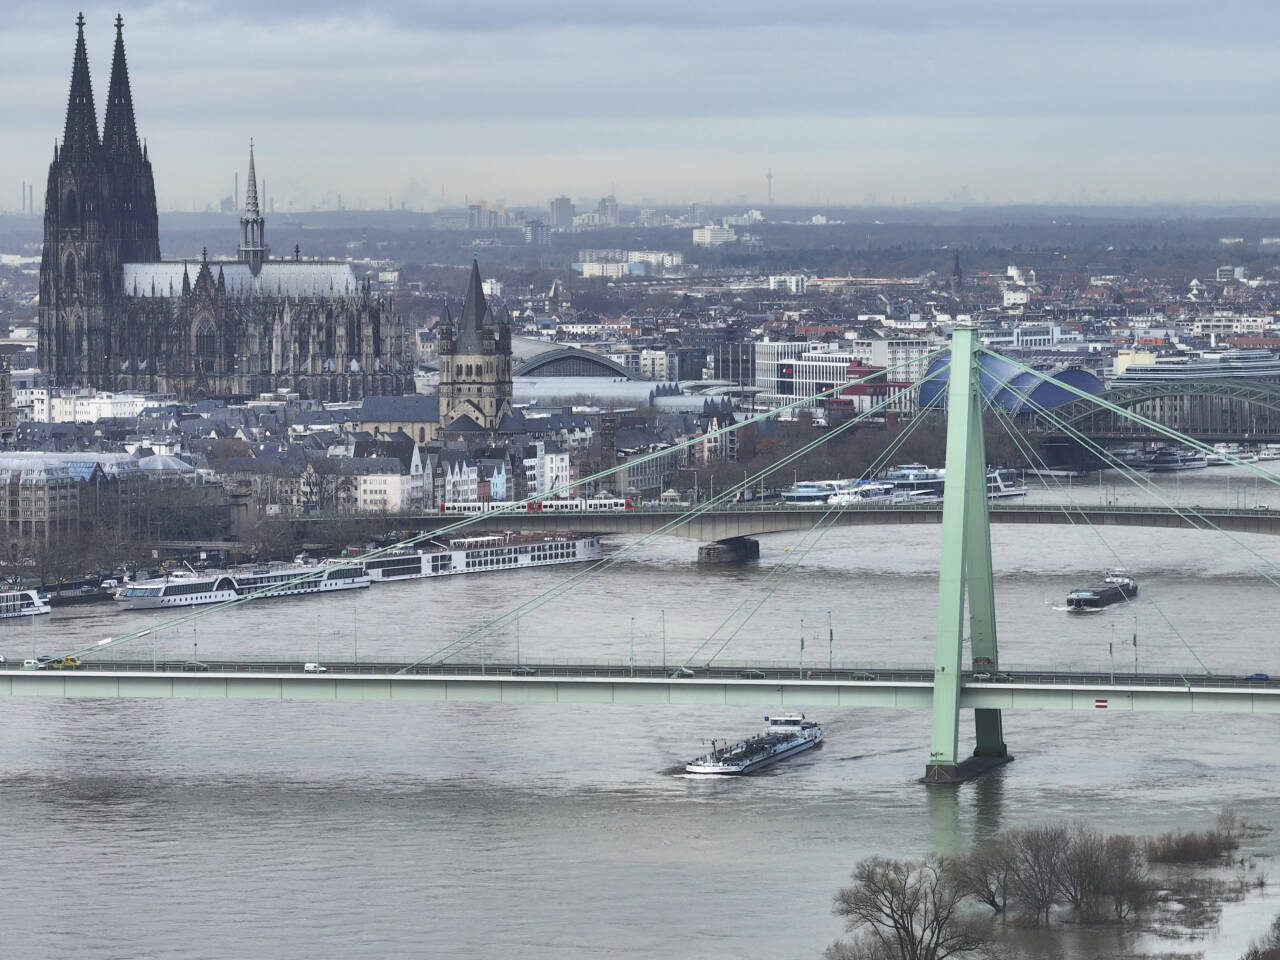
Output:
(119, 131)
(253, 241)
(80, 136)
(251, 191)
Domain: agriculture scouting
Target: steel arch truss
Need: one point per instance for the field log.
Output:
(1211, 407)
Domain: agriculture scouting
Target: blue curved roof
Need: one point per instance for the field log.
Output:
(1006, 386)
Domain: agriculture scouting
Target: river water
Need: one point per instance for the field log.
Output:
(148, 829)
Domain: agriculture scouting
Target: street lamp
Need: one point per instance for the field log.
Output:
(1111, 649)
(1135, 648)
(802, 648)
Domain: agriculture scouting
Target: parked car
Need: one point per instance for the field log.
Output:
(1258, 676)
(314, 668)
(195, 666)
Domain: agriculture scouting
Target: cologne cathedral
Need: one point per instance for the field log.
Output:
(115, 316)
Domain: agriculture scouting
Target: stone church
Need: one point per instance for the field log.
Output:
(115, 316)
(475, 367)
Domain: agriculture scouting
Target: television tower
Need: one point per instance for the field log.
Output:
(769, 178)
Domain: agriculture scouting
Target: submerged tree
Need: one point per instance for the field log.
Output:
(905, 910)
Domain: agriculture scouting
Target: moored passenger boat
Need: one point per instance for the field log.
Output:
(1168, 461)
(22, 603)
(187, 588)
(510, 551)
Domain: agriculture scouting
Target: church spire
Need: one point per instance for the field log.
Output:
(253, 235)
(251, 191)
(471, 321)
(119, 132)
(80, 137)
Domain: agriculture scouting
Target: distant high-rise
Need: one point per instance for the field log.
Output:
(608, 210)
(769, 179)
(561, 213)
(537, 233)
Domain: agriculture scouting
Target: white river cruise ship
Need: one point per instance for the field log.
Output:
(510, 551)
(188, 588)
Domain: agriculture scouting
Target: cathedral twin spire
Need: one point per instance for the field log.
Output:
(80, 135)
(119, 131)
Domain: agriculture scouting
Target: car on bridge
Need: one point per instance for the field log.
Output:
(69, 663)
(1258, 676)
(523, 672)
(195, 666)
(749, 674)
(681, 673)
(314, 668)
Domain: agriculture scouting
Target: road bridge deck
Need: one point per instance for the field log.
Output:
(725, 523)
(907, 687)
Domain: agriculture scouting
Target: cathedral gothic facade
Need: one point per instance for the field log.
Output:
(115, 316)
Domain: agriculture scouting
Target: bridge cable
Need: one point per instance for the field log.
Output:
(1137, 418)
(553, 592)
(513, 507)
(792, 562)
(1179, 509)
(600, 566)
(1184, 512)
(1154, 604)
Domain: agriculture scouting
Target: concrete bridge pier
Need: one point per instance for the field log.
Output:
(733, 550)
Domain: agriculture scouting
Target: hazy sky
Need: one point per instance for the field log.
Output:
(908, 100)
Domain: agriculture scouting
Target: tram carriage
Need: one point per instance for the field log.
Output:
(569, 505)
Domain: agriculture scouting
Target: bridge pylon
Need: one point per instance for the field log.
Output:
(964, 575)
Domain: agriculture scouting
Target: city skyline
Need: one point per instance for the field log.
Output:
(846, 104)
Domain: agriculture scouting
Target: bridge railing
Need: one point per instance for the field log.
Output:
(1103, 505)
(1037, 675)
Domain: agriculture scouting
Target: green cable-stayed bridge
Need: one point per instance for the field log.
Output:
(965, 625)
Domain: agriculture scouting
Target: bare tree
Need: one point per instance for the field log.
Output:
(1037, 864)
(908, 909)
(987, 872)
(1126, 881)
(1082, 874)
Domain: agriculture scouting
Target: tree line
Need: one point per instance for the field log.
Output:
(939, 907)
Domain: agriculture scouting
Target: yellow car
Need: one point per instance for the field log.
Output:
(68, 662)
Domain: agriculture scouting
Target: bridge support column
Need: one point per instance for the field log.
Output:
(965, 574)
(733, 550)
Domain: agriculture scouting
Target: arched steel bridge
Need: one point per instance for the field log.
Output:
(1213, 409)
(732, 522)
